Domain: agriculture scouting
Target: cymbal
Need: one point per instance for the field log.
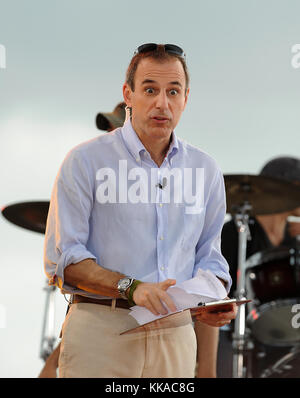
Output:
(28, 215)
(266, 195)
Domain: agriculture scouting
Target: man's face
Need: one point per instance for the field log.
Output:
(158, 99)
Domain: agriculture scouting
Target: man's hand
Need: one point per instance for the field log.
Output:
(218, 319)
(154, 297)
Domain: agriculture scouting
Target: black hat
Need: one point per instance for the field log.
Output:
(112, 120)
(286, 168)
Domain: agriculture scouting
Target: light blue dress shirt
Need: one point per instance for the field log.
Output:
(112, 203)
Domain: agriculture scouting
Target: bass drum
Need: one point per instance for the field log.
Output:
(273, 284)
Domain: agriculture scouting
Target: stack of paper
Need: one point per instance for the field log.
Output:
(204, 287)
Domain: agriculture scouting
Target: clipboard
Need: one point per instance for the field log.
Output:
(217, 306)
(167, 321)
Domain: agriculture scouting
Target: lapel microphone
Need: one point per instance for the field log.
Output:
(163, 184)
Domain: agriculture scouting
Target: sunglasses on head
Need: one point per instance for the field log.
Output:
(169, 48)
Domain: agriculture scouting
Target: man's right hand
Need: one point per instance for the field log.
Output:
(154, 297)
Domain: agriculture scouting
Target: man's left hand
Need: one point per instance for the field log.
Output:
(217, 319)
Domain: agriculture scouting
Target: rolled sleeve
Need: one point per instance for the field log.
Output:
(208, 249)
(67, 229)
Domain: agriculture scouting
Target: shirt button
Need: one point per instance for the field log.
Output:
(161, 238)
(161, 205)
(162, 268)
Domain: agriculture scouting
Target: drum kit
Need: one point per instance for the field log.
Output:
(271, 279)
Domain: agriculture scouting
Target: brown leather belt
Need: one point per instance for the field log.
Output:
(120, 303)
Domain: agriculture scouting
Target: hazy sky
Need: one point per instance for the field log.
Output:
(66, 61)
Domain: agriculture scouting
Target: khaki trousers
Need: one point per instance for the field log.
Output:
(92, 346)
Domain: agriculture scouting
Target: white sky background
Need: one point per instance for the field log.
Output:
(66, 61)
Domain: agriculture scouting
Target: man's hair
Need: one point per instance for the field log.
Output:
(159, 55)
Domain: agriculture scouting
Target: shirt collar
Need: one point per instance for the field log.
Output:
(173, 147)
(135, 146)
(132, 141)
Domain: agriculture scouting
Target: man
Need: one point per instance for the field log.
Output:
(112, 246)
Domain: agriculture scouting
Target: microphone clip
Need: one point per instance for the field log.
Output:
(163, 184)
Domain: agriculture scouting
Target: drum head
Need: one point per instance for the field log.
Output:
(272, 323)
(267, 256)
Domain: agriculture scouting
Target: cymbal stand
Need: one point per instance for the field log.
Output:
(240, 338)
(297, 260)
(48, 338)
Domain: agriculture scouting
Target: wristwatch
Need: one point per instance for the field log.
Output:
(123, 285)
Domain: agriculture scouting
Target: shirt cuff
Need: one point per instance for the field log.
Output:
(71, 256)
(225, 276)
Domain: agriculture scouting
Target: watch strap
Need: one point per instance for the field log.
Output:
(132, 288)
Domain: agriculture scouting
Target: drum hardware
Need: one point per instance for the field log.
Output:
(252, 276)
(295, 263)
(33, 216)
(258, 195)
(260, 362)
(261, 354)
(48, 335)
(282, 364)
(241, 342)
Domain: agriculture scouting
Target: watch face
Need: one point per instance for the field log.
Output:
(124, 283)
